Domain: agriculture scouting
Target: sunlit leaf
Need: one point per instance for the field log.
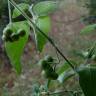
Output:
(23, 6)
(44, 24)
(15, 49)
(63, 68)
(44, 8)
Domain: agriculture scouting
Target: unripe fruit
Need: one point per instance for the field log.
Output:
(44, 64)
(48, 58)
(54, 76)
(7, 32)
(48, 71)
(14, 37)
(21, 32)
(50, 75)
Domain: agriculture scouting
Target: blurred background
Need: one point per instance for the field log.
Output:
(67, 22)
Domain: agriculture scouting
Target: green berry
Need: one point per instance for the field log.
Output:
(50, 75)
(87, 80)
(55, 76)
(49, 58)
(44, 64)
(6, 38)
(21, 32)
(7, 32)
(14, 37)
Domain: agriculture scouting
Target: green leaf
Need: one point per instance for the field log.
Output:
(63, 68)
(15, 49)
(44, 8)
(23, 6)
(88, 29)
(87, 80)
(44, 24)
(91, 51)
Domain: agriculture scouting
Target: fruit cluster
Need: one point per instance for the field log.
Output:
(47, 68)
(9, 35)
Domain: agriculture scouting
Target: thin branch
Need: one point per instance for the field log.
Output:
(60, 92)
(48, 38)
(9, 8)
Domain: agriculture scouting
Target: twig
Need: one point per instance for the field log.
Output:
(60, 92)
(9, 8)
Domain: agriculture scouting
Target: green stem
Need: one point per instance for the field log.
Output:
(9, 8)
(61, 92)
(48, 38)
(48, 84)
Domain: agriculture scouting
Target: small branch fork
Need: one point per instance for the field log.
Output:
(48, 38)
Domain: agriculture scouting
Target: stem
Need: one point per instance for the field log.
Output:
(48, 38)
(47, 84)
(9, 8)
(60, 92)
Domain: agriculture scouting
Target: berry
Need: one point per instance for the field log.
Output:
(21, 32)
(49, 58)
(14, 37)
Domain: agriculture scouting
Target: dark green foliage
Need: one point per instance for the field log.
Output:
(49, 58)
(87, 80)
(14, 37)
(92, 7)
(44, 64)
(14, 49)
(51, 75)
(7, 35)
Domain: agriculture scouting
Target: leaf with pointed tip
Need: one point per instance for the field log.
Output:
(44, 24)
(15, 49)
(44, 8)
(23, 6)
